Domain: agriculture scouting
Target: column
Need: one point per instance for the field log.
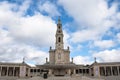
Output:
(50, 71)
(118, 70)
(69, 72)
(13, 71)
(74, 71)
(111, 71)
(0, 70)
(29, 72)
(7, 70)
(105, 71)
(99, 71)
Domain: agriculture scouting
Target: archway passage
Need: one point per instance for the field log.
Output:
(59, 40)
(59, 72)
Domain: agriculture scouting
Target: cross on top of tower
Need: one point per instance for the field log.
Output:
(23, 60)
(59, 21)
(95, 59)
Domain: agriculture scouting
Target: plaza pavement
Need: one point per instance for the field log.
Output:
(61, 78)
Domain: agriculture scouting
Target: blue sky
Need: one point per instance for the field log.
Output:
(91, 29)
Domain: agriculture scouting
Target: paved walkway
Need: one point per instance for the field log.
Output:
(61, 78)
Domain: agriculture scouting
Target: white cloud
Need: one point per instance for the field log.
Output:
(9, 47)
(108, 55)
(23, 33)
(20, 34)
(104, 44)
(118, 37)
(79, 47)
(84, 35)
(23, 8)
(94, 18)
(4, 38)
(31, 29)
(82, 60)
(50, 8)
(28, 29)
(65, 39)
(88, 12)
(36, 56)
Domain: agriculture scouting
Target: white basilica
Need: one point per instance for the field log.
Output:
(59, 64)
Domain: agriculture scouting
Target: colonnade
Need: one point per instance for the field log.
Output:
(9, 71)
(82, 71)
(109, 71)
(36, 71)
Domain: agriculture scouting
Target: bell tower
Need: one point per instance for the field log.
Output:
(59, 36)
(59, 55)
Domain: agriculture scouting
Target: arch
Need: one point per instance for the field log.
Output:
(59, 39)
(59, 27)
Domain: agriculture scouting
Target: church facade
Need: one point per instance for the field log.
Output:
(59, 64)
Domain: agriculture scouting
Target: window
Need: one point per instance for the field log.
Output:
(59, 31)
(34, 70)
(38, 70)
(59, 27)
(31, 70)
(59, 40)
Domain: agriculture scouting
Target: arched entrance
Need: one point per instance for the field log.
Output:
(59, 72)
